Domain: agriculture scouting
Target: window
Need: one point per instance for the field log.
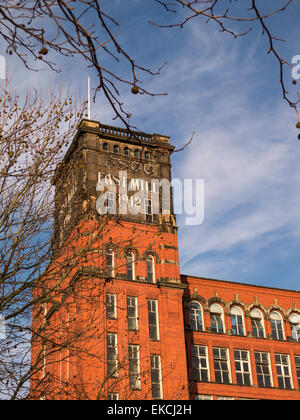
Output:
(147, 155)
(221, 365)
(110, 263)
(112, 355)
(153, 320)
(132, 313)
(262, 362)
(203, 397)
(116, 149)
(130, 265)
(242, 367)
(105, 147)
(257, 323)
(237, 323)
(195, 314)
(150, 269)
(283, 371)
(148, 209)
(113, 396)
(110, 202)
(222, 398)
(134, 367)
(295, 326)
(137, 154)
(216, 318)
(276, 326)
(200, 364)
(156, 377)
(111, 307)
(297, 363)
(126, 151)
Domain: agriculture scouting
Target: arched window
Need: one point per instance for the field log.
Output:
(105, 146)
(150, 269)
(195, 313)
(137, 154)
(126, 151)
(257, 323)
(130, 265)
(294, 319)
(116, 149)
(147, 155)
(276, 326)
(237, 321)
(216, 318)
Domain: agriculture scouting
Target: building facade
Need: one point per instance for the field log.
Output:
(117, 319)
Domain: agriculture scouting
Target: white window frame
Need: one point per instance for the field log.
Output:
(132, 302)
(153, 309)
(277, 318)
(152, 272)
(220, 360)
(280, 365)
(193, 316)
(263, 363)
(203, 397)
(294, 319)
(111, 302)
(110, 267)
(113, 396)
(217, 310)
(130, 266)
(134, 367)
(257, 315)
(242, 363)
(297, 365)
(155, 363)
(237, 313)
(197, 363)
(112, 343)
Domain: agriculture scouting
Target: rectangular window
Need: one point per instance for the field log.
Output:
(112, 355)
(134, 367)
(153, 319)
(113, 396)
(110, 202)
(297, 363)
(262, 361)
(242, 367)
(148, 210)
(156, 379)
(200, 364)
(203, 397)
(283, 371)
(132, 313)
(110, 263)
(111, 306)
(221, 365)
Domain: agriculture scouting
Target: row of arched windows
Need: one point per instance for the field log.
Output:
(258, 323)
(126, 151)
(130, 266)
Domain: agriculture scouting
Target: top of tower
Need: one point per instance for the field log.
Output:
(122, 133)
(115, 133)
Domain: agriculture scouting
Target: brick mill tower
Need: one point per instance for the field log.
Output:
(111, 318)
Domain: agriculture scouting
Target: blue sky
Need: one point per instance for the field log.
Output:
(245, 145)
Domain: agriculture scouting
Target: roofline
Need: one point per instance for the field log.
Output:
(242, 284)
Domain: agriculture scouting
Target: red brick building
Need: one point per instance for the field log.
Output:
(120, 321)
